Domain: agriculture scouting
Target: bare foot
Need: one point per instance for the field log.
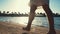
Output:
(25, 28)
(52, 32)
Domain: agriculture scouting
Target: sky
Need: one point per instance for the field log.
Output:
(23, 7)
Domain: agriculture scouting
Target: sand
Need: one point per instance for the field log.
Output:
(15, 28)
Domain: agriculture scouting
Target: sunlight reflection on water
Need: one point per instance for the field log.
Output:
(38, 21)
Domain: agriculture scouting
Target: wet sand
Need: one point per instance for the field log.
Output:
(14, 28)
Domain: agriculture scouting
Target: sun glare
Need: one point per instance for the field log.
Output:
(18, 6)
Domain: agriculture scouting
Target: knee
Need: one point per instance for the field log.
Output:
(32, 9)
(47, 9)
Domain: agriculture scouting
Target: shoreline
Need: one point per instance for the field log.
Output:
(15, 28)
(33, 25)
(26, 16)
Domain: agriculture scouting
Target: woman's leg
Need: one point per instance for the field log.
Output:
(31, 17)
(50, 19)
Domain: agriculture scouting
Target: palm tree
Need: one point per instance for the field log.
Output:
(0, 12)
(7, 11)
(3, 12)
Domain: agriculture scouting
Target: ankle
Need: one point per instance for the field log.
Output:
(25, 28)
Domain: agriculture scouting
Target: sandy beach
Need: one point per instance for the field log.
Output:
(14, 28)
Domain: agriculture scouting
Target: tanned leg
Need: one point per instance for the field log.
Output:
(31, 17)
(50, 19)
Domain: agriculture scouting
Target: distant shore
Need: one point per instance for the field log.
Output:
(15, 28)
(26, 15)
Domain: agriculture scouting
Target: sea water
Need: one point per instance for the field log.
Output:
(38, 21)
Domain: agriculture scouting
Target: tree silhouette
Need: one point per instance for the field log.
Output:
(7, 12)
(0, 12)
(3, 12)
